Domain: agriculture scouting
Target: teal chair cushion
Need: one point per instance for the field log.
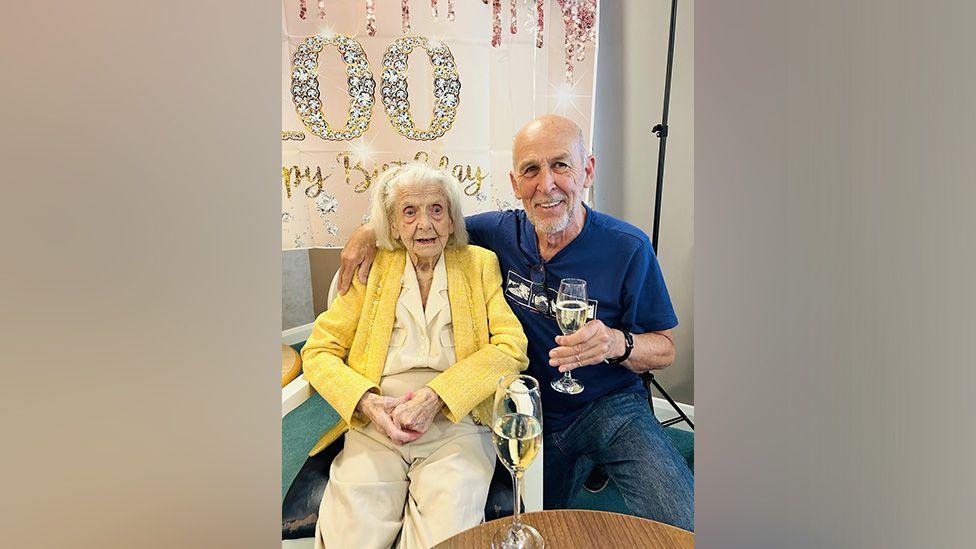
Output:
(300, 430)
(684, 441)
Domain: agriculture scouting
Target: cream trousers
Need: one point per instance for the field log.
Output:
(413, 496)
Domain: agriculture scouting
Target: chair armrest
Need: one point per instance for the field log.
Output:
(294, 394)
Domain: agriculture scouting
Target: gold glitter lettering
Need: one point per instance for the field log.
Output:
(360, 178)
(478, 180)
(296, 172)
(348, 167)
(286, 179)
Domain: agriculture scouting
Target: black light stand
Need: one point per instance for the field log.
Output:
(661, 130)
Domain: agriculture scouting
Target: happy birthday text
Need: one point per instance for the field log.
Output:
(361, 178)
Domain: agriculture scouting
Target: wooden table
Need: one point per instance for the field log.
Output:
(575, 528)
(291, 364)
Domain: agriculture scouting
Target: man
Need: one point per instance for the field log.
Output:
(558, 236)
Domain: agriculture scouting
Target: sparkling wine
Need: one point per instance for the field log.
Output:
(518, 438)
(570, 315)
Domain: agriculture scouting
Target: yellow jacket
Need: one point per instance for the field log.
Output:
(346, 353)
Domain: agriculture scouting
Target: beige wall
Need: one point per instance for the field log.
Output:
(630, 91)
(323, 264)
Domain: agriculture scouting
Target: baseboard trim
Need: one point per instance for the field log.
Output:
(664, 412)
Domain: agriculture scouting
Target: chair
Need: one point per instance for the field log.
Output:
(305, 415)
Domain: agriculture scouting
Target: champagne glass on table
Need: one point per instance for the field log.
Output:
(517, 434)
(571, 309)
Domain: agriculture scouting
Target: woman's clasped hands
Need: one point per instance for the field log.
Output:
(403, 419)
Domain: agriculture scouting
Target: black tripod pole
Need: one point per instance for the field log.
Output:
(661, 130)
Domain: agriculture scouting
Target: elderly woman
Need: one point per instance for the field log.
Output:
(410, 362)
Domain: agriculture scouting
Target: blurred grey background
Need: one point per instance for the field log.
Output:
(834, 274)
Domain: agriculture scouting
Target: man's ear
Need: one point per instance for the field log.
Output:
(589, 169)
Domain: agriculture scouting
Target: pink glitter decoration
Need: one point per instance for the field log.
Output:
(538, 29)
(370, 18)
(321, 9)
(496, 23)
(579, 17)
(405, 14)
(450, 10)
(433, 8)
(514, 12)
(302, 9)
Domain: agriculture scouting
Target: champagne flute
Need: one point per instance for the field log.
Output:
(517, 434)
(571, 310)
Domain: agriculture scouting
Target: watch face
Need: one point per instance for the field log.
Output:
(628, 347)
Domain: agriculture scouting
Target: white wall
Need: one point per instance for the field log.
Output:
(629, 98)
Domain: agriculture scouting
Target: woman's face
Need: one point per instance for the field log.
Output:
(421, 220)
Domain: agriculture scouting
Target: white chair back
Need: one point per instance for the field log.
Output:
(334, 288)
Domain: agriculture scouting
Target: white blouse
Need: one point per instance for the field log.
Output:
(421, 338)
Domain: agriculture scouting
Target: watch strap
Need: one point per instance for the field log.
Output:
(628, 347)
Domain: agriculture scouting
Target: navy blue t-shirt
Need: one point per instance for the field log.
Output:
(624, 285)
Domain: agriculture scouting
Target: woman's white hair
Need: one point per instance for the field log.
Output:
(384, 195)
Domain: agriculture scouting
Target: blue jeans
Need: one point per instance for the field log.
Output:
(619, 432)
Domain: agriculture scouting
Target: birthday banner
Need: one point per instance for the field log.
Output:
(369, 84)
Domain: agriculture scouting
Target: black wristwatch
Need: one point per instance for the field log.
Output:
(629, 344)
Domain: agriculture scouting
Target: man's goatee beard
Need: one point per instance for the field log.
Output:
(554, 226)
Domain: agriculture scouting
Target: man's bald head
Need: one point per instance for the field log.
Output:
(550, 125)
(551, 172)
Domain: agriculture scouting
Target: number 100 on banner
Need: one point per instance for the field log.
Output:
(362, 87)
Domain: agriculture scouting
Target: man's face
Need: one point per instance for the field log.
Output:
(550, 177)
